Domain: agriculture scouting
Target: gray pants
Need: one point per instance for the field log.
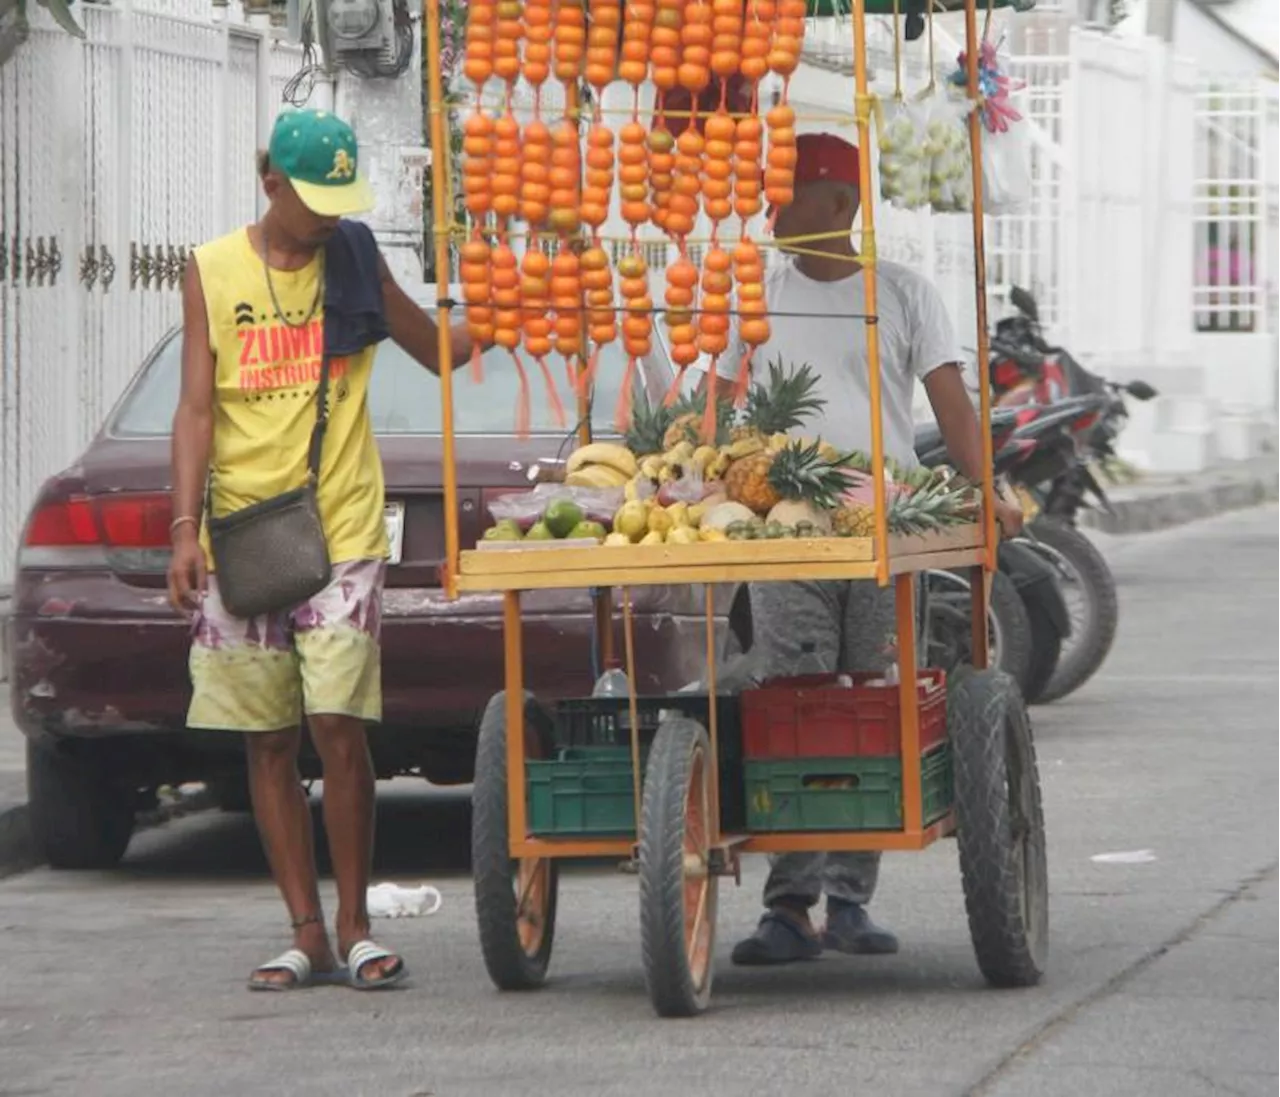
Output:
(850, 625)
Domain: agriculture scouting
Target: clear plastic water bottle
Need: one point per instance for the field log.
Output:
(613, 682)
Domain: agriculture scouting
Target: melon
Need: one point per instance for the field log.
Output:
(724, 515)
(792, 512)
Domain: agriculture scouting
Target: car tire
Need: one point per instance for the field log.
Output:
(230, 792)
(80, 817)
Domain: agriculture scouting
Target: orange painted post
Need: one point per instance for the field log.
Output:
(633, 711)
(713, 722)
(440, 233)
(513, 655)
(909, 704)
(867, 250)
(971, 46)
(981, 577)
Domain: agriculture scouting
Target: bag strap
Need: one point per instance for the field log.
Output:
(322, 421)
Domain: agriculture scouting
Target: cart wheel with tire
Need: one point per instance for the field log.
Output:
(515, 897)
(999, 827)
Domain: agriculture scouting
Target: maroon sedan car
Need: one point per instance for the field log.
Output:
(99, 672)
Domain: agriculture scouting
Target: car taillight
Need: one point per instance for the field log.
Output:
(126, 531)
(62, 525)
(135, 521)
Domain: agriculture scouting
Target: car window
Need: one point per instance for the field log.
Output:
(405, 399)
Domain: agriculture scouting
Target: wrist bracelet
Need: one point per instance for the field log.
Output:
(181, 521)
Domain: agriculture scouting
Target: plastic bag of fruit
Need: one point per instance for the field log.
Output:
(904, 168)
(947, 146)
(527, 508)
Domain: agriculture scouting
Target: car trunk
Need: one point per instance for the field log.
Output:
(133, 475)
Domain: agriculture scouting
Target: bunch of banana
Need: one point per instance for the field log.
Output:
(600, 465)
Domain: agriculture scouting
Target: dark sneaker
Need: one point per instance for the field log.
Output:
(780, 938)
(850, 929)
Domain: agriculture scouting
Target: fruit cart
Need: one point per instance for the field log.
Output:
(678, 788)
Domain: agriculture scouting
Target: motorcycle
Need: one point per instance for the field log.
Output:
(1028, 619)
(1026, 371)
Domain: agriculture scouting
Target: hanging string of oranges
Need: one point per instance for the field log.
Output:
(560, 178)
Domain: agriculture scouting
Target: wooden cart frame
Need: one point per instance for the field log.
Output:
(680, 850)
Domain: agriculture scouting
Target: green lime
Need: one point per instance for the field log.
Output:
(561, 517)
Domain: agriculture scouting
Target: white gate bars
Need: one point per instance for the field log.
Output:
(117, 154)
(1234, 206)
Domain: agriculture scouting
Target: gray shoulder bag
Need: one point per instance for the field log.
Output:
(272, 555)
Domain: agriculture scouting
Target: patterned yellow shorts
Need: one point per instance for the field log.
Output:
(322, 657)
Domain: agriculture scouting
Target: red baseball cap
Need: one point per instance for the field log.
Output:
(825, 156)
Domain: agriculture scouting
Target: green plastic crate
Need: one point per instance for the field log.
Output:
(584, 791)
(858, 793)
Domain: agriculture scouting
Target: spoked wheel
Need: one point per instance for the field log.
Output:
(678, 892)
(515, 899)
(949, 631)
(1000, 828)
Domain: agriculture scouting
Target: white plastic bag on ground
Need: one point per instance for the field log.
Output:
(394, 901)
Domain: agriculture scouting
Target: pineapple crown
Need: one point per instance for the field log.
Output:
(692, 408)
(802, 473)
(784, 401)
(649, 423)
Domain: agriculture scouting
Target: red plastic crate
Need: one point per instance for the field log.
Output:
(812, 717)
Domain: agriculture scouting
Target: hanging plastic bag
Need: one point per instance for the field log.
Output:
(1006, 140)
(947, 145)
(904, 167)
(1006, 167)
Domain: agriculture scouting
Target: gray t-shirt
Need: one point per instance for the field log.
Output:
(821, 324)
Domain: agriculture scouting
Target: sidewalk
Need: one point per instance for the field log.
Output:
(1157, 502)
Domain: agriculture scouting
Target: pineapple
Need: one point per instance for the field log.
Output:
(797, 472)
(855, 520)
(649, 426)
(779, 405)
(686, 421)
(921, 511)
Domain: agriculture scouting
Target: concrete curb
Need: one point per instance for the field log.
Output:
(1145, 510)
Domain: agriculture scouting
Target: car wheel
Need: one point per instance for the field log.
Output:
(81, 817)
(230, 791)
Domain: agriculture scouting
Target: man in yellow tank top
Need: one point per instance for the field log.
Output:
(253, 334)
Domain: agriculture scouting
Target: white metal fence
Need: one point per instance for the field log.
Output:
(117, 154)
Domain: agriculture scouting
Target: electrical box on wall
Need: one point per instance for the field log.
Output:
(364, 27)
(370, 38)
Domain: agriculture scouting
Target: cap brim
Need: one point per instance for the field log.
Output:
(340, 201)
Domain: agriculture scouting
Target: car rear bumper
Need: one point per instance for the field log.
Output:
(79, 675)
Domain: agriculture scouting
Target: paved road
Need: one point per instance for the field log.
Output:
(1163, 975)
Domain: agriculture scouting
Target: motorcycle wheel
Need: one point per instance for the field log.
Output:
(949, 632)
(1046, 650)
(1089, 590)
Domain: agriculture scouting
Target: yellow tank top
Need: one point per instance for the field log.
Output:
(265, 400)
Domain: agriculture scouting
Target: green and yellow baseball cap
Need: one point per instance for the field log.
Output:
(316, 151)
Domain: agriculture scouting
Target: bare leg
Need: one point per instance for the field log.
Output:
(284, 824)
(348, 822)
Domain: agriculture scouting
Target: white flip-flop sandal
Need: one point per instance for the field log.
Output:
(365, 952)
(294, 961)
